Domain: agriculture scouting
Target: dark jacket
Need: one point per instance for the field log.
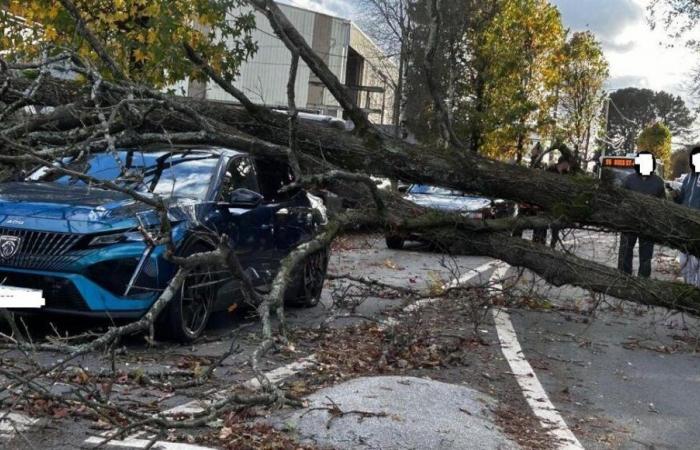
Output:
(651, 185)
(690, 192)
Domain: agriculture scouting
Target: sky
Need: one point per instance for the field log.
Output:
(637, 55)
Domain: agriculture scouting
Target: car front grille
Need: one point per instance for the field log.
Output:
(60, 293)
(39, 249)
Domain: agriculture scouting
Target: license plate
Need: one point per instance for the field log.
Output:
(18, 297)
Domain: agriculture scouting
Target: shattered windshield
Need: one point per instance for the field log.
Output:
(182, 175)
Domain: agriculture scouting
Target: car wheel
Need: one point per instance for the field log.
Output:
(307, 284)
(187, 315)
(394, 242)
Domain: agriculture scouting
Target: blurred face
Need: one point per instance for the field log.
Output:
(696, 162)
(645, 162)
(563, 167)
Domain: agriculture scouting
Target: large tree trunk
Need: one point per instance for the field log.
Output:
(581, 200)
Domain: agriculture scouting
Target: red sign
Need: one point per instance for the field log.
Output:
(623, 163)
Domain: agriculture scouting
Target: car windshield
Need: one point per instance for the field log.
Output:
(432, 190)
(181, 175)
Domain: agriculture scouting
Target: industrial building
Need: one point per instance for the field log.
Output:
(349, 53)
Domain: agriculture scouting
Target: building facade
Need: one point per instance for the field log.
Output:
(347, 51)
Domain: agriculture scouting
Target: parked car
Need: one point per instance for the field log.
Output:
(453, 201)
(81, 245)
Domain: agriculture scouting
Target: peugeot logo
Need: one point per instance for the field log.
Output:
(9, 246)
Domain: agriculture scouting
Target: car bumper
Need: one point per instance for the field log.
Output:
(75, 294)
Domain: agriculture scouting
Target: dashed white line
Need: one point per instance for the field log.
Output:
(533, 391)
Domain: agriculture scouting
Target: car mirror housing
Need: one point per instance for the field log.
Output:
(244, 198)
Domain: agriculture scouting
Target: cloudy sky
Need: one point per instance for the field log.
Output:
(638, 56)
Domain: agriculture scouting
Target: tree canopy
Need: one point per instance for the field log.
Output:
(583, 74)
(656, 139)
(633, 109)
(145, 38)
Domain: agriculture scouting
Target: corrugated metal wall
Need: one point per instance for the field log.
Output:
(264, 77)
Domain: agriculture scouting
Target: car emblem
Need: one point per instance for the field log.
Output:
(9, 246)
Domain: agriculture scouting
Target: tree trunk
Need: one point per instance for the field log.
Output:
(574, 199)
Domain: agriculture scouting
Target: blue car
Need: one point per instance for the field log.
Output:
(82, 247)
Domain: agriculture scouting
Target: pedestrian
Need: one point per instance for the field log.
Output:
(689, 195)
(539, 235)
(644, 181)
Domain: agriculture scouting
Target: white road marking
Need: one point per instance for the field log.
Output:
(11, 423)
(197, 406)
(533, 391)
(275, 376)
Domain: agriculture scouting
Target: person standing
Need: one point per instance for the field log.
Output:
(689, 195)
(643, 181)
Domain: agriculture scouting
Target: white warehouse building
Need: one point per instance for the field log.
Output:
(349, 53)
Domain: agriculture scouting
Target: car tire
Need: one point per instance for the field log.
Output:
(394, 242)
(307, 282)
(187, 315)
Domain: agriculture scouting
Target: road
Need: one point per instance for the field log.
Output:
(621, 377)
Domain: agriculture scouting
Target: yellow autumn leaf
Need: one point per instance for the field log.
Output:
(139, 55)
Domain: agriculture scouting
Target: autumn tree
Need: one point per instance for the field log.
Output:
(142, 40)
(497, 66)
(583, 73)
(656, 139)
(525, 42)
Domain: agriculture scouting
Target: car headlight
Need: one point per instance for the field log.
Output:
(116, 238)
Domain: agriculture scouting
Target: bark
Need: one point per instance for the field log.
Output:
(565, 269)
(576, 199)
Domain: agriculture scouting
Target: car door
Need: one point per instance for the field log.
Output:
(290, 211)
(249, 227)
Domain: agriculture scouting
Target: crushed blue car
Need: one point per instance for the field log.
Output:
(83, 247)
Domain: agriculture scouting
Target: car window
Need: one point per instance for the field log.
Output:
(240, 174)
(181, 174)
(272, 176)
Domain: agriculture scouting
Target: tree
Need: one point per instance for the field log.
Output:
(77, 116)
(523, 43)
(633, 109)
(142, 39)
(656, 139)
(496, 66)
(389, 23)
(583, 73)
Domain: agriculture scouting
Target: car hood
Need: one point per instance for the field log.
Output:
(65, 208)
(456, 203)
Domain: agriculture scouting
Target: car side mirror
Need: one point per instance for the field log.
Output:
(244, 198)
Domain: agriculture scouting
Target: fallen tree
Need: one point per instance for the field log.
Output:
(140, 116)
(44, 118)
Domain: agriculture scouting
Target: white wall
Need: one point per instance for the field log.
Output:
(264, 77)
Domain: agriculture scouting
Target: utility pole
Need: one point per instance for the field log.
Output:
(607, 120)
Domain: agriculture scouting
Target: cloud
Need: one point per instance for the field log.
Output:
(624, 81)
(618, 47)
(340, 8)
(605, 18)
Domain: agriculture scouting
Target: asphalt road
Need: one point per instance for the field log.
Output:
(623, 377)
